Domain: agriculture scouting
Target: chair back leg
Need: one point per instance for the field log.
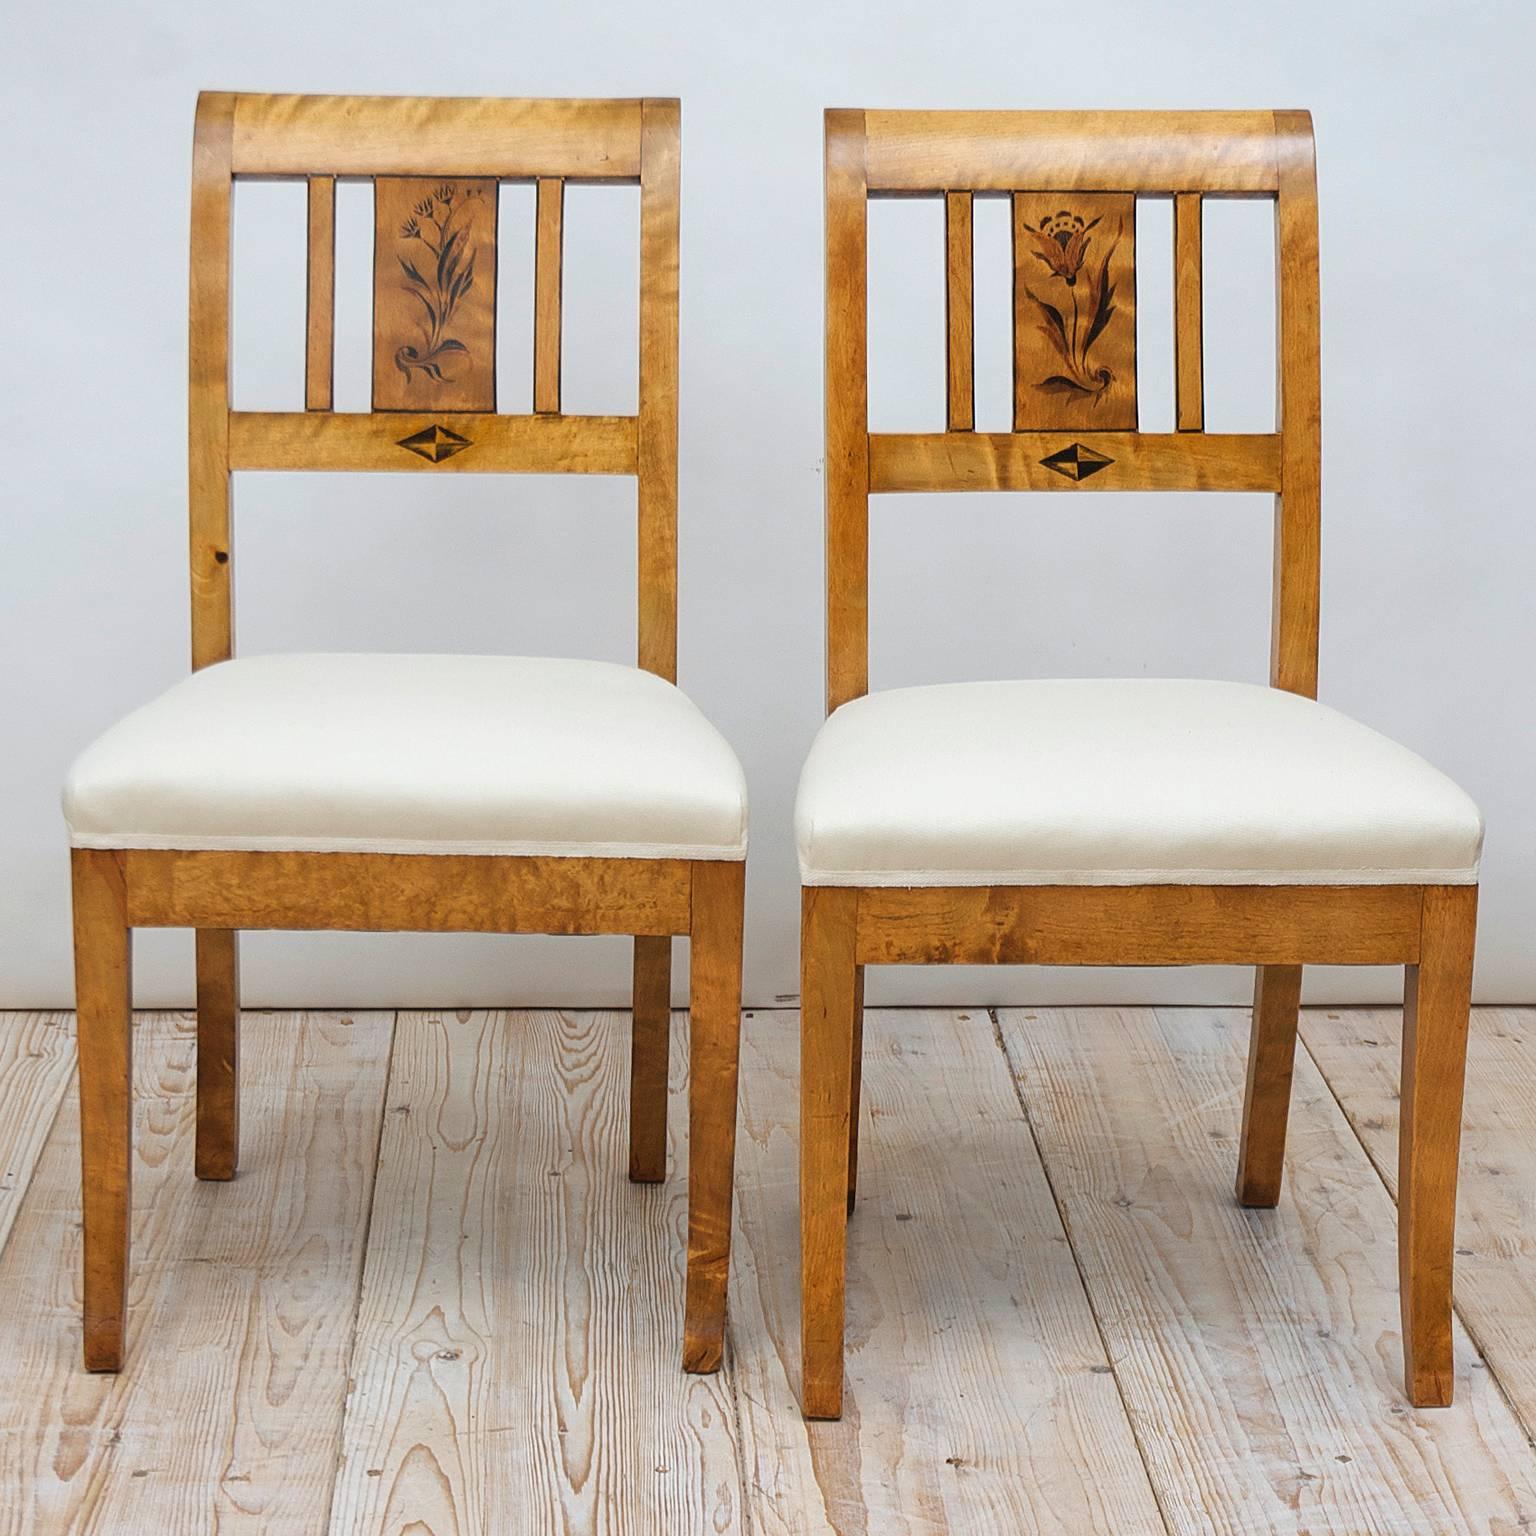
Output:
(1267, 1097)
(103, 1002)
(714, 1051)
(218, 1053)
(650, 1043)
(1437, 1003)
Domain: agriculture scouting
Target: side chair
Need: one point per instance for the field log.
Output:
(1105, 822)
(422, 792)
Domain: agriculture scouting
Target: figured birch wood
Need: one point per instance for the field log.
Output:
(104, 1036)
(1156, 152)
(434, 294)
(227, 1415)
(521, 1319)
(1074, 311)
(1298, 510)
(714, 1031)
(218, 1053)
(548, 265)
(529, 445)
(1267, 1087)
(1188, 313)
(320, 306)
(437, 136)
(979, 1398)
(1359, 1052)
(829, 1002)
(1258, 1351)
(37, 1057)
(211, 549)
(1140, 925)
(847, 409)
(1437, 1004)
(1058, 168)
(959, 312)
(656, 493)
(649, 1053)
(407, 892)
(1121, 461)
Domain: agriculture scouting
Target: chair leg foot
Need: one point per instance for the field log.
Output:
(1267, 1097)
(828, 996)
(714, 1049)
(104, 1002)
(217, 1153)
(650, 1043)
(1436, 1013)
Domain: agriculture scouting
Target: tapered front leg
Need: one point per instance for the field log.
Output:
(651, 1002)
(714, 1049)
(1267, 1098)
(218, 1053)
(828, 998)
(1436, 1013)
(103, 1003)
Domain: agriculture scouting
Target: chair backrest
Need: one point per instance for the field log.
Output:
(435, 165)
(1073, 178)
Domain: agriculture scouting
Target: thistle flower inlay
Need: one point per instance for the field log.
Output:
(442, 224)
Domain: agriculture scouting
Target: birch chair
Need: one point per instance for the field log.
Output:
(1111, 822)
(442, 793)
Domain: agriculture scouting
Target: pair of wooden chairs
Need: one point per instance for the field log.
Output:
(1052, 822)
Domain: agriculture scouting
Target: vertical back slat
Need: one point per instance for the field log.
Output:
(1293, 652)
(1188, 314)
(547, 267)
(959, 311)
(434, 293)
(320, 318)
(208, 382)
(1074, 311)
(847, 403)
(660, 141)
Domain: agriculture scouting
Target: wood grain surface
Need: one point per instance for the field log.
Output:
(1074, 311)
(434, 294)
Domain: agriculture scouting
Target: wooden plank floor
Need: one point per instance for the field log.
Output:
(431, 1303)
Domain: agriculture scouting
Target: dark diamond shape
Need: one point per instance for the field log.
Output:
(1076, 462)
(436, 443)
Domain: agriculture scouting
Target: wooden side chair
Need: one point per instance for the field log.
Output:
(443, 793)
(1133, 822)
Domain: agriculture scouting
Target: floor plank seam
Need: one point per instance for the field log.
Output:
(362, 1274)
(70, 1082)
(1082, 1278)
(728, 1364)
(1466, 1322)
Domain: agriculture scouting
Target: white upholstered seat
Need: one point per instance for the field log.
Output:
(414, 754)
(1121, 782)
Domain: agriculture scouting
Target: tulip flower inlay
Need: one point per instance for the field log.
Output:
(1063, 242)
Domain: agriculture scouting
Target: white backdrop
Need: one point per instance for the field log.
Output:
(1425, 125)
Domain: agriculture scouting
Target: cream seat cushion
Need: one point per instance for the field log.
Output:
(1121, 782)
(414, 754)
